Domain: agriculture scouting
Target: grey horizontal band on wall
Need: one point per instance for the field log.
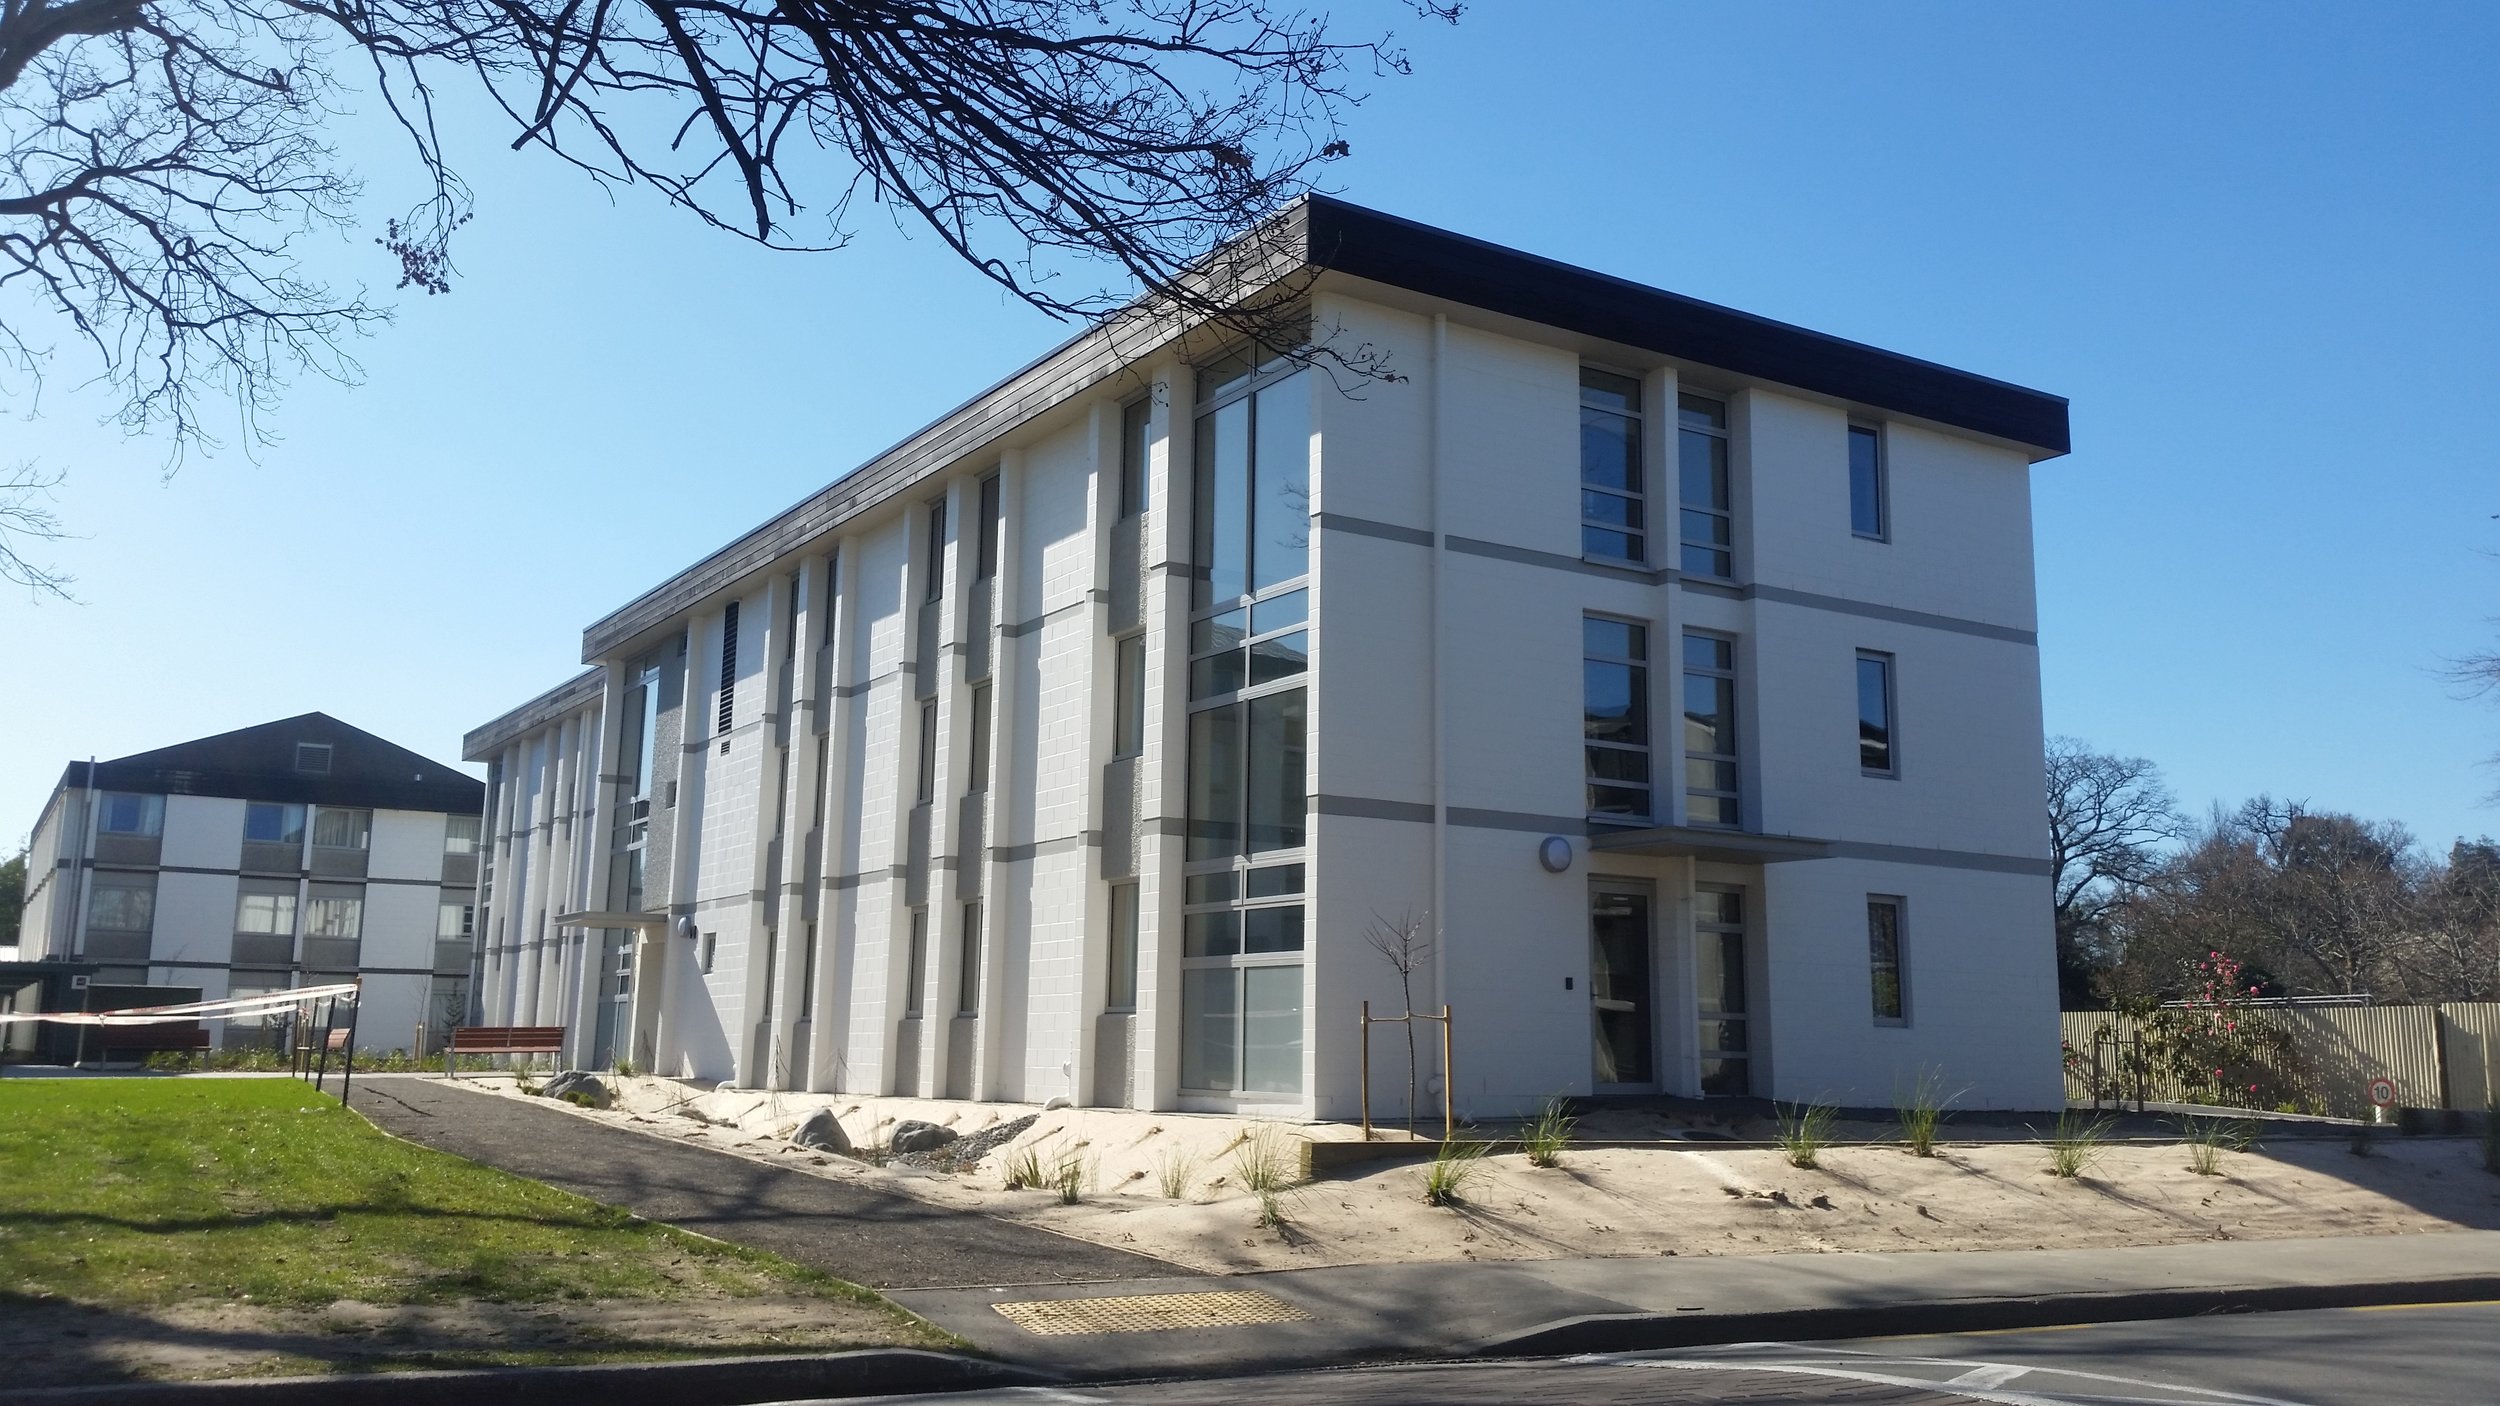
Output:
(838, 882)
(1554, 561)
(853, 690)
(1943, 858)
(1365, 527)
(1019, 631)
(1012, 854)
(110, 868)
(1470, 819)
(1867, 610)
(1366, 808)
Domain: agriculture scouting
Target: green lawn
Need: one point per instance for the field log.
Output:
(140, 1192)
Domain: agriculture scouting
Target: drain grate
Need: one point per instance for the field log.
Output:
(1148, 1313)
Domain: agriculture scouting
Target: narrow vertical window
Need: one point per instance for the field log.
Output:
(1710, 791)
(1719, 983)
(1134, 418)
(1883, 951)
(728, 668)
(1613, 526)
(1128, 717)
(916, 967)
(1703, 493)
(968, 975)
(1876, 756)
(1614, 681)
(937, 549)
(979, 781)
(1121, 992)
(1866, 482)
(987, 552)
(928, 752)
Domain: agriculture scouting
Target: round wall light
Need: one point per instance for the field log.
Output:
(1554, 852)
(684, 926)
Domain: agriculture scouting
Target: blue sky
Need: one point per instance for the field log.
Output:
(2258, 246)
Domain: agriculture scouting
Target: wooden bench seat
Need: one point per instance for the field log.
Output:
(501, 1039)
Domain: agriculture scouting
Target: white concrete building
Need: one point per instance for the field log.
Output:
(297, 853)
(1676, 668)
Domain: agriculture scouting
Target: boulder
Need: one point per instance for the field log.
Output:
(579, 1086)
(822, 1131)
(911, 1135)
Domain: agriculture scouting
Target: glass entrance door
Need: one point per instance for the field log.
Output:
(1623, 1013)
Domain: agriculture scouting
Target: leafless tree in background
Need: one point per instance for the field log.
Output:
(2109, 817)
(161, 160)
(26, 517)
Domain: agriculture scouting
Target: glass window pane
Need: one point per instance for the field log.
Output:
(1218, 632)
(1613, 509)
(1271, 1030)
(1278, 808)
(1883, 938)
(1133, 431)
(341, 829)
(1709, 652)
(1722, 976)
(1704, 561)
(1122, 994)
(1219, 376)
(1866, 499)
(1128, 726)
(977, 766)
(1726, 1077)
(1721, 810)
(1604, 390)
(1280, 658)
(1614, 639)
(1211, 888)
(1874, 714)
(1221, 532)
(1610, 451)
(1211, 934)
(1280, 612)
(1210, 1034)
(1271, 929)
(1709, 715)
(1274, 881)
(1702, 411)
(1617, 706)
(1619, 801)
(1282, 514)
(1215, 767)
(1726, 1036)
(1610, 545)
(1701, 470)
(1702, 774)
(1215, 675)
(1618, 764)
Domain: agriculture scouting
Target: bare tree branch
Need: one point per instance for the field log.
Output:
(26, 516)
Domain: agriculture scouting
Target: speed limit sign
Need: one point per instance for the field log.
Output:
(2383, 1092)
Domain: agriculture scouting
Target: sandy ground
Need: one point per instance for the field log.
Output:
(63, 1344)
(1708, 1197)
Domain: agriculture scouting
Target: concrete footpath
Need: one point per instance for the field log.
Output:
(957, 1268)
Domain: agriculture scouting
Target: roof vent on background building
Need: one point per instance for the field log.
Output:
(313, 758)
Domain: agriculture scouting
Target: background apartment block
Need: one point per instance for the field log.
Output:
(295, 853)
(1674, 668)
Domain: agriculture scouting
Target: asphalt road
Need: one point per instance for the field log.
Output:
(2415, 1355)
(879, 1238)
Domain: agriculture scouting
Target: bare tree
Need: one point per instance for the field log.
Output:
(26, 516)
(2109, 817)
(161, 160)
(2340, 900)
(1406, 944)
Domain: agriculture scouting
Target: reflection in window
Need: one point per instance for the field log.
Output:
(1866, 482)
(270, 824)
(1883, 944)
(1613, 523)
(119, 813)
(1614, 681)
(1875, 742)
(1705, 498)
(1710, 792)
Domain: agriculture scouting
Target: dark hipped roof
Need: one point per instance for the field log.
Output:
(258, 764)
(1334, 237)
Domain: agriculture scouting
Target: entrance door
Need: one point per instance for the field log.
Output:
(1624, 1015)
(614, 1008)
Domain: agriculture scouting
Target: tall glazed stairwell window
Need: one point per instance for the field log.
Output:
(1613, 522)
(1250, 641)
(1706, 500)
(1711, 796)
(1614, 681)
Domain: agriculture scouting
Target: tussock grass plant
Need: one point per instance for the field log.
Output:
(1805, 1129)
(1264, 1159)
(1173, 1173)
(1025, 1170)
(1452, 1169)
(1921, 1108)
(2077, 1142)
(1545, 1139)
(2208, 1138)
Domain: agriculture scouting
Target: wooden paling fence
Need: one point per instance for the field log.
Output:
(2444, 1056)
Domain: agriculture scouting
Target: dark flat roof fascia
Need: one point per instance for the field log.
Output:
(1367, 244)
(1331, 235)
(569, 697)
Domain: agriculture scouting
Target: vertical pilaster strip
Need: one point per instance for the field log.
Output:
(829, 1021)
(942, 885)
(1162, 770)
(799, 789)
(693, 744)
(1006, 697)
(1101, 703)
(606, 725)
(750, 1051)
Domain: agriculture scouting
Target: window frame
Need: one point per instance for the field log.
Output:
(291, 816)
(118, 883)
(1899, 906)
(926, 762)
(1879, 490)
(1742, 931)
(1639, 494)
(1724, 433)
(151, 814)
(452, 838)
(1136, 439)
(968, 963)
(363, 828)
(1735, 760)
(916, 963)
(1120, 982)
(1128, 696)
(934, 588)
(307, 752)
(1646, 748)
(1891, 770)
(991, 517)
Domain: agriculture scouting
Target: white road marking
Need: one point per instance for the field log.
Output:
(1977, 1381)
(1994, 1374)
